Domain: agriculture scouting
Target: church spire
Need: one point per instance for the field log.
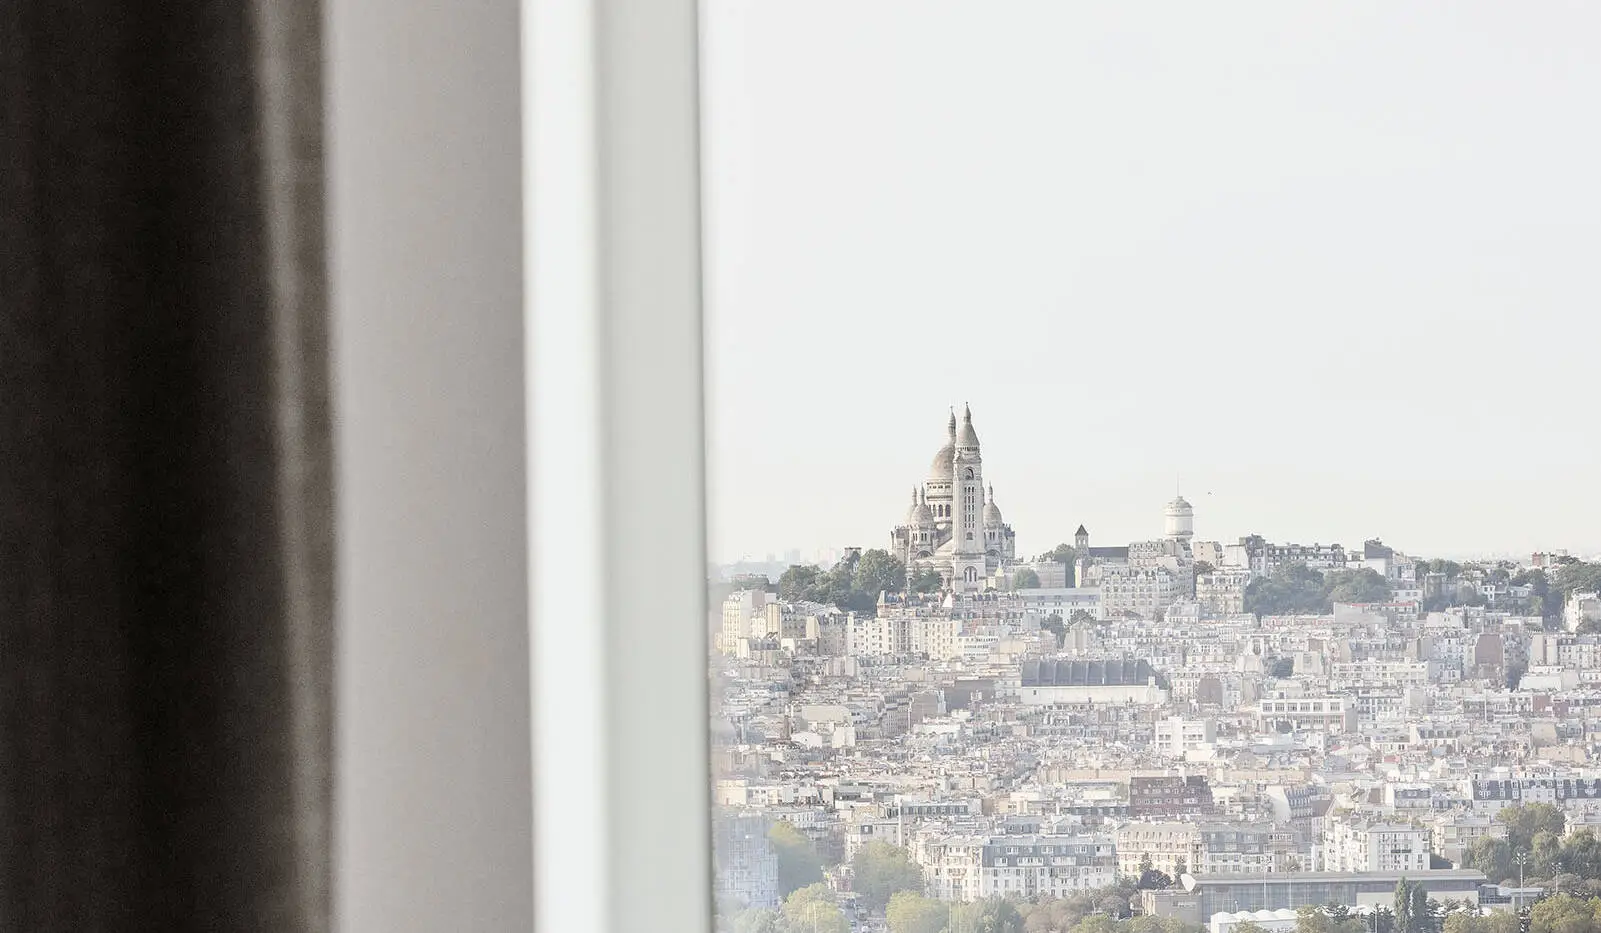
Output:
(968, 437)
(951, 427)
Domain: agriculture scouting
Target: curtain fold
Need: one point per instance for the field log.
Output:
(166, 540)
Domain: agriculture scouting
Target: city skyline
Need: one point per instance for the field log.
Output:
(1037, 543)
(1326, 266)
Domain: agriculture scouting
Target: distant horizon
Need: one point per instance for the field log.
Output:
(1330, 266)
(810, 557)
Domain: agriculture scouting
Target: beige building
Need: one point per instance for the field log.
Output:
(969, 868)
(1222, 592)
(1172, 848)
(1175, 736)
(1353, 845)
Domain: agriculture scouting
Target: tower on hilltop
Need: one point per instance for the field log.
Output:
(1180, 524)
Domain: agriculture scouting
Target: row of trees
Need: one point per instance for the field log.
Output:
(1562, 913)
(1099, 911)
(887, 881)
(854, 583)
(1536, 844)
(1296, 589)
(1548, 591)
(878, 870)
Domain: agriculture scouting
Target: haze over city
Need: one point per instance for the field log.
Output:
(1329, 270)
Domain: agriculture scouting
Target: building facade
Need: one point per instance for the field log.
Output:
(1354, 845)
(969, 868)
(953, 526)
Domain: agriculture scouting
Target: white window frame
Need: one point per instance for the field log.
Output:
(449, 124)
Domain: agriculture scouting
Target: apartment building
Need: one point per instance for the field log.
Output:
(1301, 714)
(1166, 797)
(746, 865)
(1222, 592)
(1171, 848)
(1452, 833)
(1176, 736)
(1196, 848)
(1490, 795)
(1381, 672)
(1355, 845)
(969, 868)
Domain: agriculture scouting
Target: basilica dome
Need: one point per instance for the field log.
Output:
(943, 469)
(992, 512)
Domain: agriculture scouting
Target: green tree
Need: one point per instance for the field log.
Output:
(1097, 923)
(1490, 855)
(1066, 555)
(799, 582)
(1025, 579)
(924, 581)
(1541, 601)
(1357, 586)
(879, 571)
(879, 870)
(1563, 913)
(1425, 913)
(814, 907)
(1576, 577)
(1524, 822)
(909, 912)
(1403, 908)
(1249, 926)
(758, 920)
(1581, 854)
(1204, 567)
(991, 915)
(1290, 590)
(1545, 854)
(1053, 623)
(799, 865)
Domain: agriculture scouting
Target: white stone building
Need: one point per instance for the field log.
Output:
(1581, 608)
(969, 868)
(1222, 592)
(951, 526)
(739, 611)
(1354, 845)
(1175, 736)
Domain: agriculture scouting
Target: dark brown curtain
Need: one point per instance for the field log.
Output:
(165, 502)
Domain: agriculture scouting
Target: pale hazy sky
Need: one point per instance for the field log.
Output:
(1336, 265)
